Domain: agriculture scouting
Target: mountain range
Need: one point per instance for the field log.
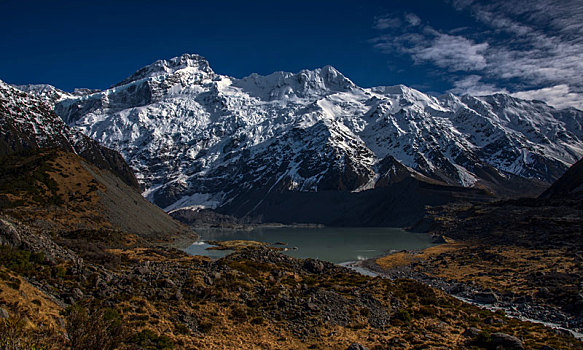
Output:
(301, 147)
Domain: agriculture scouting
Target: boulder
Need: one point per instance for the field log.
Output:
(506, 341)
(487, 297)
(314, 266)
(9, 235)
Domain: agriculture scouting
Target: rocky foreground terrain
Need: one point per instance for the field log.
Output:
(103, 287)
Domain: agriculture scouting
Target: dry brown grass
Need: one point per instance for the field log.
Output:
(236, 244)
(405, 258)
(26, 301)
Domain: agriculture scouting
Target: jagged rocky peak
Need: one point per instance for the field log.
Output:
(52, 95)
(407, 96)
(326, 76)
(192, 63)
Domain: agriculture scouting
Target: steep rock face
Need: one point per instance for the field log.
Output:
(27, 123)
(197, 138)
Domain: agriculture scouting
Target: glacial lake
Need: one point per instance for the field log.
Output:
(333, 244)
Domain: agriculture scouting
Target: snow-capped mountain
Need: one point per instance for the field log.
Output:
(198, 138)
(28, 123)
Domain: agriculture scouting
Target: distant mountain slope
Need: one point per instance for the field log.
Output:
(201, 139)
(570, 185)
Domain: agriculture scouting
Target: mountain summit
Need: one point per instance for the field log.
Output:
(201, 139)
(191, 63)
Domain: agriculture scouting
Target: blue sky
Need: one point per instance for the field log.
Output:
(532, 49)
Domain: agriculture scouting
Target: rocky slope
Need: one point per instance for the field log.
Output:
(62, 192)
(27, 123)
(200, 139)
(522, 255)
(53, 176)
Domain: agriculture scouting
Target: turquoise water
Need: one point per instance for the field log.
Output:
(336, 245)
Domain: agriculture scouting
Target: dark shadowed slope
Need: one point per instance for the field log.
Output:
(570, 185)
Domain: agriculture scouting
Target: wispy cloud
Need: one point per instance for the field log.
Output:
(559, 96)
(412, 19)
(533, 49)
(385, 22)
(473, 85)
(452, 52)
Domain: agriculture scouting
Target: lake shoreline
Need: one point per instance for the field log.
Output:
(333, 244)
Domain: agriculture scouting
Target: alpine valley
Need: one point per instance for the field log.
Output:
(86, 262)
(313, 147)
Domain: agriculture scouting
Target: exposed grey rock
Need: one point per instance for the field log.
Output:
(8, 234)
(314, 266)
(357, 346)
(77, 294)
(4, 313)
(471, 332)
(21, 236)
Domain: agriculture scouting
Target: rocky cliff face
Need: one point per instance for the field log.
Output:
(200, 139)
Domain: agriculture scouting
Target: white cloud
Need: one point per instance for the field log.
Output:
(455, 53)
(452, 52)
(559, 96)
(412, 19)
(532, 48)
(473, 85)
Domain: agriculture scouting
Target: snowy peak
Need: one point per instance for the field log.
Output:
(304, 84)
(187, 63)
(46, 93)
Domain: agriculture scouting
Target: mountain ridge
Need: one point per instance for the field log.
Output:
(199, 139)
(28, 124)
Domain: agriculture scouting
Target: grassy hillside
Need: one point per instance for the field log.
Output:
(57, 190)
